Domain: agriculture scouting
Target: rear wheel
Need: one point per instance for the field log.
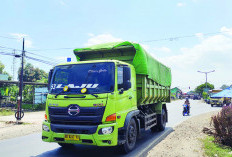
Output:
(131, 136)
(66, 145)
(161, 120)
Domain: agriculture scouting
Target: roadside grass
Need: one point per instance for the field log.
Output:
(6, 112)
(213, 149)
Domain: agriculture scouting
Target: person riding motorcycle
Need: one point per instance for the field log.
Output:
(188, 104)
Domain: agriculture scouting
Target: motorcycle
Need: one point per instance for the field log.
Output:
(186, 110)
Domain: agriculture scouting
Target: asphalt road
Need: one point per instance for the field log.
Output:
(32, 145)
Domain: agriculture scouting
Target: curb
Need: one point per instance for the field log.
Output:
(144, 152)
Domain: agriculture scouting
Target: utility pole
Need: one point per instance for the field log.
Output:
(206, 76)
(13, 67)
(19, 111)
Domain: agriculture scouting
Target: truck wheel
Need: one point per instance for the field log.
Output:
(66, 145)
(161, 120)
(211, 105)
(131, 136)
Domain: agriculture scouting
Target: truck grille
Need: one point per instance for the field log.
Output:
(86, 116)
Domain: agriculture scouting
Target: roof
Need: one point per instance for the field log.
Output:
(226, 93)
(4, 77)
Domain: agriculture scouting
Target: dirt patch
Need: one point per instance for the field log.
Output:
(185, 140)
(31, 123)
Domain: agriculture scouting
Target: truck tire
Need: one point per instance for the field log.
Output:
(161, 120)
(131, 136)
(66, 145)
(211, 105)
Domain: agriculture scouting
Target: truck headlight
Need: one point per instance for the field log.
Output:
(45, 128)
(107, 130)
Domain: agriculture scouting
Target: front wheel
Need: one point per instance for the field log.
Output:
(131, 136)
(211, 105)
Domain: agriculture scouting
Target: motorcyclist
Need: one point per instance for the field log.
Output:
(188, 104)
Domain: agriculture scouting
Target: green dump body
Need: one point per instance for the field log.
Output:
(152, 77)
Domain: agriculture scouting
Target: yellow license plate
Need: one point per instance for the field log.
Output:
(72, 137)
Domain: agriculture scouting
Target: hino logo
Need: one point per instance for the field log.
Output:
(73, 110)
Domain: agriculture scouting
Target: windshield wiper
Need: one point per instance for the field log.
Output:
(94, 95)
(74, 96)
(59, 93)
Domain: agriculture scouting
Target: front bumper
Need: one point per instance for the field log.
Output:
(88, 139)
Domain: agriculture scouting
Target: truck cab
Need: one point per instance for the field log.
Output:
(82, 100)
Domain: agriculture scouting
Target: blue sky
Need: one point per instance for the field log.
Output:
(72, 23)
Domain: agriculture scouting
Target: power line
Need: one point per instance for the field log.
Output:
(32, 58)
(4, 47)
(9, 37)
(40, 60)
(185, 36)
(52, 49)
(40, 55)
(9, 54)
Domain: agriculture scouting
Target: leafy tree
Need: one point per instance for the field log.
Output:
(224, 86)
(200, 88)
(32, 74)
(2, 66)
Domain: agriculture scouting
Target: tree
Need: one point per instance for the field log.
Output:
(2, 66)
(32, 74)
(200, 88)
(224, 87)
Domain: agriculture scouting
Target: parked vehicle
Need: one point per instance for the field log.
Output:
(216, 101)
(107, 97)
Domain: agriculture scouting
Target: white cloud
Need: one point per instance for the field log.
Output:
(180, 4)
(102, 38)
(90, 34)
(212, 53)
(162, 49)
(226, 30)
(62, 3)
(20, 36)
(199, 35)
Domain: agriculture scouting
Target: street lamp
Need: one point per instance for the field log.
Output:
(206, 75)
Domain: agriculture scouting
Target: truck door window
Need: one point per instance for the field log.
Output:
(120, 78)
(124, 77)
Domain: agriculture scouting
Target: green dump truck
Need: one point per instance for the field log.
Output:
(107, 97)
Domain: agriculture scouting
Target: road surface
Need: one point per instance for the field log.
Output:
(32, 145)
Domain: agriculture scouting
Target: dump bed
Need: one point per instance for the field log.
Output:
(153, 78)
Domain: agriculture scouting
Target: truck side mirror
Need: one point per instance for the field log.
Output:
(49, 79)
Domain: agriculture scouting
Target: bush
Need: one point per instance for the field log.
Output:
(34, 107)
(40, 107)
(222, 125)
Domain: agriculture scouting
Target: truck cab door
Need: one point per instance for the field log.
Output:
(125, 93)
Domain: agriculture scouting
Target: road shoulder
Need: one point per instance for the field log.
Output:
(185, 139)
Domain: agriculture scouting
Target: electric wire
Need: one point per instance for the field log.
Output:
(42, 56)
(32, 58)
(39, 60)
(5, 53)
(9, 37)
(185, 36)
(145, 41)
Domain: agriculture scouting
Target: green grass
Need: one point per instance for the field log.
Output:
(215, 150)
(5, 112)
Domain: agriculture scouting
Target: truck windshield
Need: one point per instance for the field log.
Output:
(96, 77)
